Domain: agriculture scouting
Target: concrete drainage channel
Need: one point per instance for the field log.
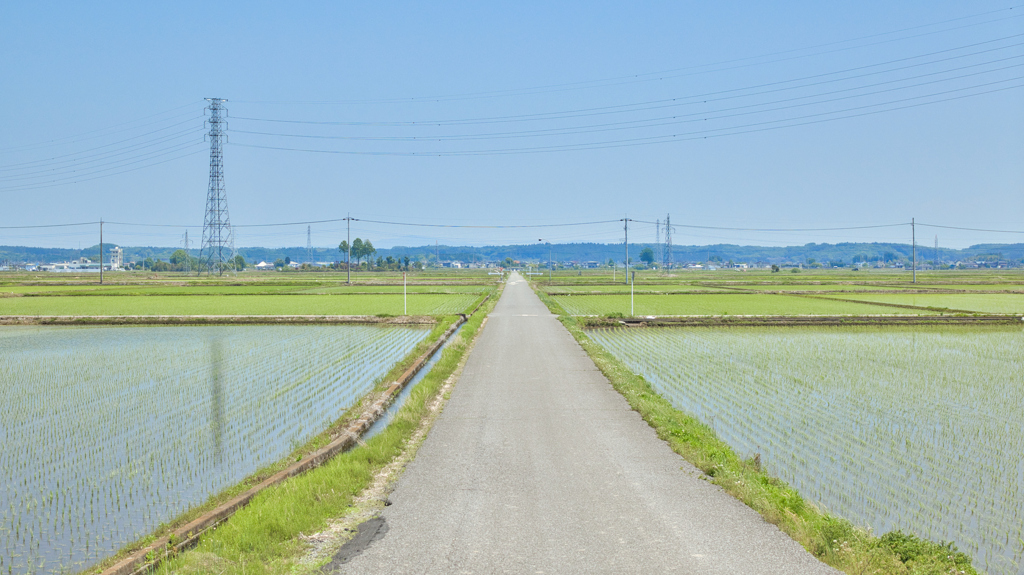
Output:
(385, 419)
(373, 420)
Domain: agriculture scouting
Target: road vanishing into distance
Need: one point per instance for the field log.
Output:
(537, 465)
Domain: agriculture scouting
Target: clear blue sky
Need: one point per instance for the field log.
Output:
(96, 89)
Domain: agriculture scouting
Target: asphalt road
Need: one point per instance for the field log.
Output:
(537, 465)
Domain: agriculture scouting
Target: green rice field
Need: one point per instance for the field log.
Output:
(109, 432)
(996, 303)
(968, 287)
(823, 287)
(639, 288)
(718, 304)
(88, 290)
(350, 304)
(913, 428)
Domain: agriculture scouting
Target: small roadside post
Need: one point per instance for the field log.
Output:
(913, 241)
(631, 283)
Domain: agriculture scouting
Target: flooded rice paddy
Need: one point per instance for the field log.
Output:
(105, 433)
(912, 428)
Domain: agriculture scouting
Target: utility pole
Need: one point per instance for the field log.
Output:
(913, 241)
(668, 242)
(348, 241)
(217, 237)
(101, 251)
(625, 225)
(549, 259)
(188, 258)
(309, 246)
(631, 284)
(657, 237)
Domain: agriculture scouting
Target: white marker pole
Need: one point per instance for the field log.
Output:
(405, 294)
(631, 311)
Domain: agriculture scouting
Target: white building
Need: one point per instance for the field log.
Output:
(116, 258)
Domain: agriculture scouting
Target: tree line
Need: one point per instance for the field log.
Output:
(363, 250)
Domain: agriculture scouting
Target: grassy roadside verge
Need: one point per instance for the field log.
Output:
(264, 537)
(833, 540)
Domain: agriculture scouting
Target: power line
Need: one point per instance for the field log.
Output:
(487, 227)
(682, 136)
(110, 159)
(783, 229)
(659, 75)
(78, 179)
(49, 226)
(620, 108)
(64, 140)
(972, 229)
(665, 225)
(675, 119)
(10, 167)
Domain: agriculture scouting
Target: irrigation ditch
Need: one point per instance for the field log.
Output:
(149, 557)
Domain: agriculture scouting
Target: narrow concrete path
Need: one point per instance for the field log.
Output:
(537, 465)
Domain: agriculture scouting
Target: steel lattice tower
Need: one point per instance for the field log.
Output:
(218, 241)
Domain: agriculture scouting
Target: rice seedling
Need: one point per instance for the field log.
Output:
(912, 428)
(105, 433)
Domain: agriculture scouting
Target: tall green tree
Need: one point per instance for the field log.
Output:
(343, 248)
(647, 256)
(357, 250)
(368, 249)
(179, 257)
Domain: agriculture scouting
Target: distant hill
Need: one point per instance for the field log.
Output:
(845, 253)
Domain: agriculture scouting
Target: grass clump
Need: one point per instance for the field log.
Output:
(831, 539)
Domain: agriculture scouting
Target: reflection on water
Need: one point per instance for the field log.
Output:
(107, 432)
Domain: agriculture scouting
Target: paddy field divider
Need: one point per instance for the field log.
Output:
(147, 558)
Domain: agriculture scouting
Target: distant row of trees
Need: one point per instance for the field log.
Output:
(359, 249)
(180, 261)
